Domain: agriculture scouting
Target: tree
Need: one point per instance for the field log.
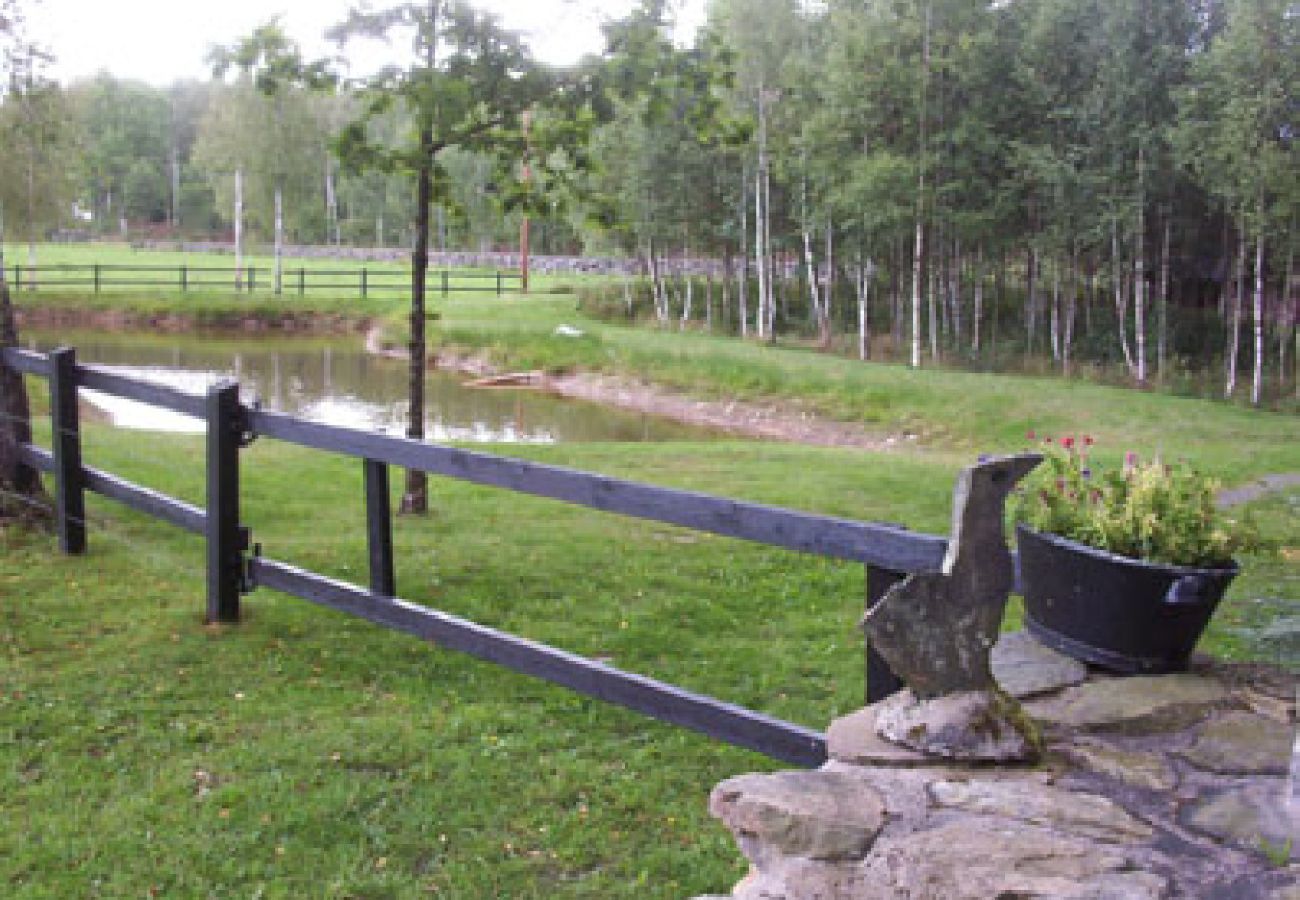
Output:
(466, 85)
(1237, 132)
(273, 65)
(21, 494)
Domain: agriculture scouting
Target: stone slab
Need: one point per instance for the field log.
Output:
(1025, 668)
(1143, 704)
(1253, 817)
(853, 739)
(1071, 812)
(968, 860)
(820, 815)
(1149, 771)
(1240, 743)
(977, 726)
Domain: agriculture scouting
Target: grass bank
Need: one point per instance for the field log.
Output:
(305, 753)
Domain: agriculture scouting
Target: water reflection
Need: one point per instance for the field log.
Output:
(336, 382)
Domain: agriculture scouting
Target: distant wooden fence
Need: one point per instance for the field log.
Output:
(235, 565)
(364, 282)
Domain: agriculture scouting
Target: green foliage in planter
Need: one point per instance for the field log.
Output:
(1154, 511)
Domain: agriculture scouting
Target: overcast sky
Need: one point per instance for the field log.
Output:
(161, 41)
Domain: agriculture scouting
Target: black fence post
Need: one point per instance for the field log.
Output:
(363, 282)
(252, 279)
(185, 279)
(226, 540)
(96, 278)
(498, 282)
(302, 282)
(69, 494)
(379, 529)
(444, 284)
(881, 680)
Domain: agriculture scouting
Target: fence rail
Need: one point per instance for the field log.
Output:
(235, 566)
(364, 282)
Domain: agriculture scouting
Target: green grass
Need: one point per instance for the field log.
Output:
(305, 753)
(317, 755)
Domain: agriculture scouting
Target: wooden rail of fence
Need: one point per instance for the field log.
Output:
(301, 281)
(235, 566)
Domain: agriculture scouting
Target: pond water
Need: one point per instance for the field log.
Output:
(335, 381)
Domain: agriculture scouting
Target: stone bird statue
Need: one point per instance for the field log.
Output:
(936, 629)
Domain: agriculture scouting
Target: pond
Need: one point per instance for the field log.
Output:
(333, 380)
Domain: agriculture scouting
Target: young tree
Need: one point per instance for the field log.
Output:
(466, 84)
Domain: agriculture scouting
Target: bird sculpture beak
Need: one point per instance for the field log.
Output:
(1008, 470)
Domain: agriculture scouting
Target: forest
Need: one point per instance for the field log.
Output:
(1102, 187)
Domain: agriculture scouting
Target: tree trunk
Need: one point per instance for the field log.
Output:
(415, 499)
(1257, 313)
(1234, 330)
(1139, 273)
(977, 314)
(21, 494)
(1162, 315)
(742, 273)
(1121, 297)
(239, 229)
(279, 237)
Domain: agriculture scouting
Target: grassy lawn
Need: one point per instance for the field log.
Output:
(305, 753)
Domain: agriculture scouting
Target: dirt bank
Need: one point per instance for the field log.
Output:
(127, 320)
(771, 421)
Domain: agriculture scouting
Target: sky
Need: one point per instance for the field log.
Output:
(161, 41)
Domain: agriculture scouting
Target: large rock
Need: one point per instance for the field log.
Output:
(1254, 817)
(1070, 812)
(854, 739)
(819, 815)
(964, 861)
(981, 726)
(1149, 771)
(1023, 667)
(1240, 743)
(1138, 705)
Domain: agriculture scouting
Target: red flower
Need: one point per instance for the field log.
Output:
(1067, 443)
(1087, 440)
(1030, 436)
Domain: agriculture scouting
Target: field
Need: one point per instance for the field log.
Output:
(303, 753)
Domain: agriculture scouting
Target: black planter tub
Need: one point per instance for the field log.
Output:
(1122, 614)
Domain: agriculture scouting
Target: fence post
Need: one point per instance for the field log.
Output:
(881, 680)
(185, 279)
(498, 282)
(379, 529)
(226, 540)
(302, 282)
(69, 480)
(444, 284)
(96, 278)
(363, 282)
(252, 279)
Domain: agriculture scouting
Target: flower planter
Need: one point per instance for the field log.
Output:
(1122, 614)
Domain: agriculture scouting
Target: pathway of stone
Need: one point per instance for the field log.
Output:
(1151, 787)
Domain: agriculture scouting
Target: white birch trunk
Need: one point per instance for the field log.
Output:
(239, 229)
(978, 313)
(1234, 330)
(1121, 297)
(279, 238)
(1257, 312)
(1162, 339)
(1139, 278)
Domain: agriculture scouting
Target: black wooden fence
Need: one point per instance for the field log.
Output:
(301, 281)
(235, 566)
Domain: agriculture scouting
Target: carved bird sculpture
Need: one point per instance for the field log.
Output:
(936, 629)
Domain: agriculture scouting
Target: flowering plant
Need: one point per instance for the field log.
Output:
(1151, 510)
